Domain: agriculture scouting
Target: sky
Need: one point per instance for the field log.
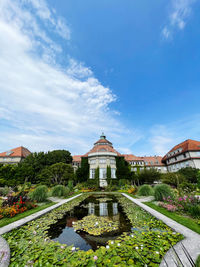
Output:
(70, 69)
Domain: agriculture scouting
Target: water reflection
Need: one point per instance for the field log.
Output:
(100, 205)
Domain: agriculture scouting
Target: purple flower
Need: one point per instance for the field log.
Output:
(95, 258)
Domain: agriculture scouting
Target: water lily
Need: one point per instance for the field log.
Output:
(119, 244)
(62, 247)
(73, 248)
(95, 258)
(112, 242)
(136, 247)
(107, 247)
(157, 252)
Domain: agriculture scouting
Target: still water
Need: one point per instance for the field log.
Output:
(99, 205)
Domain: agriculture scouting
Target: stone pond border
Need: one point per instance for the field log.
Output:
(191, 241)
(4, 247)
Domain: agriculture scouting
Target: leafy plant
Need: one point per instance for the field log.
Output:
(145, 190)
(39, 194)
(59, 191)
(162, 191)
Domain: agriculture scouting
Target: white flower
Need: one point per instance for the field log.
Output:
(112, 242)
(132, 235)
(107, 246)
(141, 245)
(73, 248)
(119, 244)
(157, 252)
(73, 222)
(136, 247)
(96, 223)
(158, 236)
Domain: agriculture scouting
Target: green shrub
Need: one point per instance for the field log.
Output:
(39, 194)
(60, 191)
(194, 210)
(70, 185)
(186, 187)
(162, 191)
(4, 191)
(145, 190)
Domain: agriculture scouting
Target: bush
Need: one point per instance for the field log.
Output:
(4, 191)
(39, 194)
(194, 211)
(162, 191)
(173, 178)
(60, 191)
(145, 190)
(70, 185)
(186, 187)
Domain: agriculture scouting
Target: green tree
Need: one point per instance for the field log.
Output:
(173, 178)
(8, 175)
(198, 179)
(148, 176)
(190, 174)
(58, 173)
(123, 171)
(82, 173)
(97, 176)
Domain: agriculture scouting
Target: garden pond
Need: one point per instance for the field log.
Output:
(92, 230)
(98, 219)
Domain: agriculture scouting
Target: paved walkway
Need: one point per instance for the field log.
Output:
(191, 241)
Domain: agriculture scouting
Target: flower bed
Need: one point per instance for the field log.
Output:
(16, 207)
(146, 245)
(187, 204)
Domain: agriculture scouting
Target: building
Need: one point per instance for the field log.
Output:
(185, 154)
(139, 163)
(14, 156)
(103, 155)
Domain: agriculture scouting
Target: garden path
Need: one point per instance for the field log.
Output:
(191, 241)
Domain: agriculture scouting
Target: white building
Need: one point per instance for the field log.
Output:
(185, 154)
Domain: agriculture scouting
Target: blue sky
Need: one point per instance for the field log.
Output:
(71, 69)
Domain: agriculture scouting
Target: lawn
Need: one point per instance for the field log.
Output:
(186, 221)
(19, 216)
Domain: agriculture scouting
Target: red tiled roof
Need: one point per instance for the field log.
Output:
(21, 152)
(101, 148)
(187, 145)
(151, 161)
(103, 141)
(76, 158)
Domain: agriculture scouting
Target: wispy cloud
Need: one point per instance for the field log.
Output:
(180, 11)
(43, 105)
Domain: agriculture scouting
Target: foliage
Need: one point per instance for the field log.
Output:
(148, 176)
(60, 191)
(190, 174)
(122, 171)
(70, 185)
(198, 179)
(58, 173)
(39, 194)
(82, 173)
(31, 168)
(136, 249)
(180, 218)
(173, 178)
(4, 191)
(145, 190)
(162, 191)
(18, 207)
(186, 187)
(188, 203)
(95, 225)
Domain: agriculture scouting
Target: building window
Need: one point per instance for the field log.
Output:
(92, 161)
(113, 173)
(102, 173)
(112, 161)
(92, 173)
(102, 161)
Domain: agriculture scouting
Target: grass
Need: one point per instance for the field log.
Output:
(188, 222)
(198, 261)
(6, 221)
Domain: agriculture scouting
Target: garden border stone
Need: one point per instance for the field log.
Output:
(4, 253)
(191, 241)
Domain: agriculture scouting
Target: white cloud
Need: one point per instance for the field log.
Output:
(42, 105)
(180, 11)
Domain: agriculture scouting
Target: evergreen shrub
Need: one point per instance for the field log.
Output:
(162, 191)
(60, 191)
(39, 194)
(145, 190)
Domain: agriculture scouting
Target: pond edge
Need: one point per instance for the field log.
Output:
(191, 241)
